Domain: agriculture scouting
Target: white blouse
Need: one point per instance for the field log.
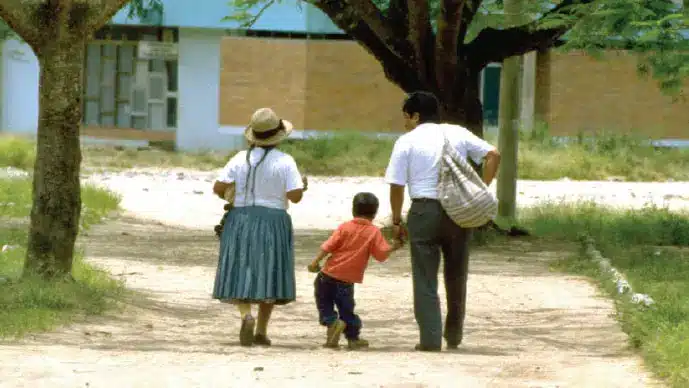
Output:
(269, 183)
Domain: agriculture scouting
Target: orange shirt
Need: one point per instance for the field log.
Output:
(350, 247)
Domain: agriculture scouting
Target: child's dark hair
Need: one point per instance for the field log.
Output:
(365, 205)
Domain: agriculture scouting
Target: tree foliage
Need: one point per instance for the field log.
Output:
(135, 9)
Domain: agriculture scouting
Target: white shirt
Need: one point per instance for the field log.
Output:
(415, 160)
(277, 175)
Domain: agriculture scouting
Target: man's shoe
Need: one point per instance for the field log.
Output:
(453, 343)
(424, 348)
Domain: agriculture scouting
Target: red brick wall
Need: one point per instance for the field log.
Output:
(317, 84)
(578, 93)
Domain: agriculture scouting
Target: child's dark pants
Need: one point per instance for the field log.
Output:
(331, 293)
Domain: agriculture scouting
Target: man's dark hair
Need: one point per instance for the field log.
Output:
(425, 104)
(365, 205)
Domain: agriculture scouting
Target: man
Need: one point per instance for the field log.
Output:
(415, 162)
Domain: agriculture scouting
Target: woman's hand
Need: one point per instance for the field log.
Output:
(220, 188)
(305, 181)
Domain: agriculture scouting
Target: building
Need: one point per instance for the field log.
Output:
(192, 78)
(576, 93)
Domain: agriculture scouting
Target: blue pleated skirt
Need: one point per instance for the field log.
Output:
(256, 261)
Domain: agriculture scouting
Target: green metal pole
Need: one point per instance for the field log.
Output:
(508, 121)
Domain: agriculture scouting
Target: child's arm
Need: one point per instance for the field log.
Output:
(328, 247)
(315, 265)
(382, 249)
(396, 245)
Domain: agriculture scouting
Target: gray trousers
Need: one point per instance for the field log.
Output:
(430, 232)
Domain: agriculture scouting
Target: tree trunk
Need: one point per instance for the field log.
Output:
(56, 187)
(466, 109)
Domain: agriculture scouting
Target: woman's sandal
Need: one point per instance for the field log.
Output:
(262, 339)
(246, 333)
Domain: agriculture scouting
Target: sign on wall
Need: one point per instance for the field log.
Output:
(158, 50)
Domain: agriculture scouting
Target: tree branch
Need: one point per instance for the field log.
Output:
(377, 23)
(447, 42)
(397, 69)
(397, 14)
(100, 12)
(17, 15)
(492, 45)
(420, 35)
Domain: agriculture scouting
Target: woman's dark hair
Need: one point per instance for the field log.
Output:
(266, 149)
(425, 104)
(365, 205)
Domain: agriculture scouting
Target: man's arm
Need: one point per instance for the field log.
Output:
(396, 202)
(396, 176)
(490, 166)
(482, 152)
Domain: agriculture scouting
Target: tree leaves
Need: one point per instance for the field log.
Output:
(135, 9)
(651, 28)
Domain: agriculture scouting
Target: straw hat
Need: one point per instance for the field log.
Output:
(266, 128)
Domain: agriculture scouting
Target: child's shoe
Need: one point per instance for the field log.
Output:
(357, 344)
(333, 334)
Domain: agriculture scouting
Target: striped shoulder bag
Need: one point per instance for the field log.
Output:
(462, 193)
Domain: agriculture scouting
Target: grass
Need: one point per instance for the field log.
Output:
(29, 304)
(651, 247)
(541, 157)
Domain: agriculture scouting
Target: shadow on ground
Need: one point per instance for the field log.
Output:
(171, 271)
(131, 239)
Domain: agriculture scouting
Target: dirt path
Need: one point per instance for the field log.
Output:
(527, 326)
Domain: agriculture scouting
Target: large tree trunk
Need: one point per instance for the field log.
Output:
(56, 187)
(466, 108)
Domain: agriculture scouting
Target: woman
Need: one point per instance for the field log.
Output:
(256, 263)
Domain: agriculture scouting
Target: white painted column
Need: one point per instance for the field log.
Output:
(528, 91)
(19, 79)
(198, 92)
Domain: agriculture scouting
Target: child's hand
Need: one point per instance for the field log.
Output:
(314, 267)
(397, 244)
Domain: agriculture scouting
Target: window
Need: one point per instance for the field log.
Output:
(124, 91)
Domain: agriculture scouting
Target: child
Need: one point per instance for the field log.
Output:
(350, 247)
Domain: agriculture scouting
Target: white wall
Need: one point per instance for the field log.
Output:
(199, 88)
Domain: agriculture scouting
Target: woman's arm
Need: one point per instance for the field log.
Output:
(225, 179)
(295, 196)
(296, 184)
